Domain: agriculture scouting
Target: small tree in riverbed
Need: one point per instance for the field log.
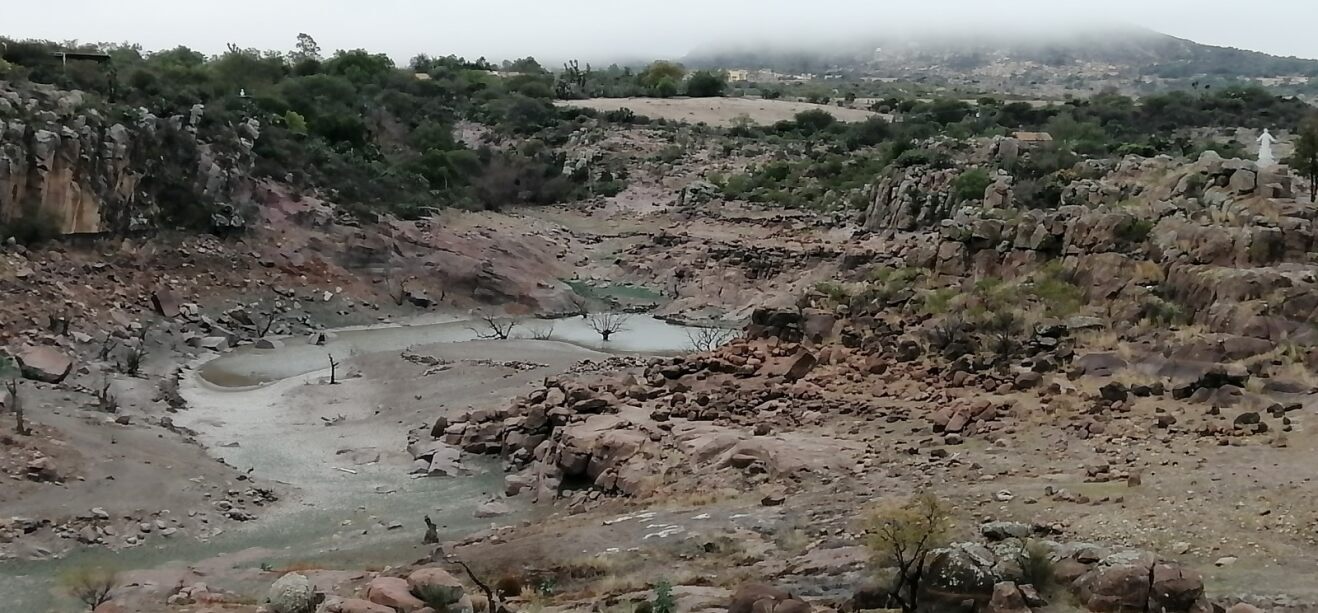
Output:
(16, 405)
(495, 328)
(334, 370)
(901, 536)
(709, 338)
(607, 324)
(90, 585)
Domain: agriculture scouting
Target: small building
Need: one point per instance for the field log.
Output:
(1033, 138)
(739, 75)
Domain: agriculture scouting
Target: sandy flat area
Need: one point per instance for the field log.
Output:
(717, 111)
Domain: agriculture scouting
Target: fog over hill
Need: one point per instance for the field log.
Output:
(599, 31)
(1127, 48)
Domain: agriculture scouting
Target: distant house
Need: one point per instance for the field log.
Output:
(1033, 138)
(739, 75)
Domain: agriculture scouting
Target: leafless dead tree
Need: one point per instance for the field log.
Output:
(16, 405)
(580, 303)
(542, 333)
(132, 362)
(270, 320)
(496, 604)
(107, 347)
(105, 400)
(608, 324)
(709, 338)
(58, 324)
(397, 289)
(494, 327)
(334, 369)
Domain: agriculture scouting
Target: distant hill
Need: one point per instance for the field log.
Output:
(1126, 50)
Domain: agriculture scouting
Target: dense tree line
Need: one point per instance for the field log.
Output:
(376, 134)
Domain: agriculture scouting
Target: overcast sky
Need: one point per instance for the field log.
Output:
(606, 29)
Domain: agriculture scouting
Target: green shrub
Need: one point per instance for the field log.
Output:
(971, 184)
(836, 293)
(663, 598)
(1037, 567)
(1052, 287)
(706, 84)
(1134, 230)
(938, 302)
(814, 121)
(1161, 311)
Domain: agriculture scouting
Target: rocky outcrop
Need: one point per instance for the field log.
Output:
(1102, 581)
(66, 167)
(912, 198)
(629, 434)
(760, 598)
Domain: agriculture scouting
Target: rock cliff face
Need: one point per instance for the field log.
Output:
(70, 165)
(911, 199)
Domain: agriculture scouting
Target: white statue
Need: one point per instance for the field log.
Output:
(1266, 158)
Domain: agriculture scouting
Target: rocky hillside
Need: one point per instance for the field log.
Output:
(1222, 242)
(70, 165)
(1126, 50)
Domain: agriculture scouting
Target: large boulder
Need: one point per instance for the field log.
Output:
(799, 366)
(394, 593)
(165, 303)
(757, 598)
(435, 586)
(44, 363)
(1122, 588)
(1176, 588)
(957, 574)
(292, 593)
(1007, 598)
(1138, 584)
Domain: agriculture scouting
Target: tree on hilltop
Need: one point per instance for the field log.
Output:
(1305, 158)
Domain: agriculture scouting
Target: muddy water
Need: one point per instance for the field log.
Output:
(251, 366)
(333, 517)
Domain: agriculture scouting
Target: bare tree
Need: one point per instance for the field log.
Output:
(334, 369)
(496, 604)
(16, 405)
(494, 327)
(607, 324)
(709, 338)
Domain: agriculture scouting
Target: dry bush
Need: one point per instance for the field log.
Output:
(709, 338)
(509, 586)
(542, 333)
